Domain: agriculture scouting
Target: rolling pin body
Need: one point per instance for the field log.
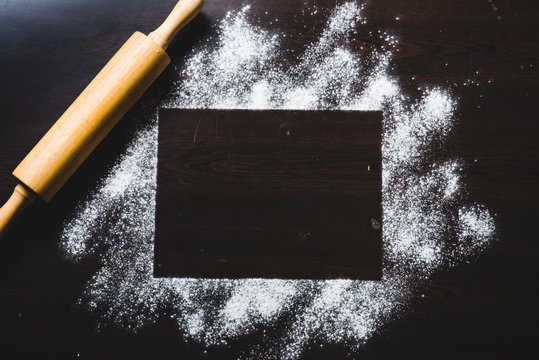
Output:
(94, 113)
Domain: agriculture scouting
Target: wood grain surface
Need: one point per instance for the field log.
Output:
(487, 308)
(269, 194)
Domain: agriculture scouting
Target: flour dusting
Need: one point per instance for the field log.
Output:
(426, 227)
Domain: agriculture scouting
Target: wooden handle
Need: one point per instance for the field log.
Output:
(21, 198)
(183, 12)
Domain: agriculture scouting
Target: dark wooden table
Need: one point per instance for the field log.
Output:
(49, 50)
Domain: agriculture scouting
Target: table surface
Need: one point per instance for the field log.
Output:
(280, 194)
(50, 50)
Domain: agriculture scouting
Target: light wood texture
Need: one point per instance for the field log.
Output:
(182, 13)
(97, 109)
(21, 198)
(93, 114)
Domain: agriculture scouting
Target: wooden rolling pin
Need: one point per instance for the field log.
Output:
(94, 113)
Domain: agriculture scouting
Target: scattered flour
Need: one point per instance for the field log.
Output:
(425, 225)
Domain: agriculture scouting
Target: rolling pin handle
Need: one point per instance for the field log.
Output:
(183, 12)
(20, 199)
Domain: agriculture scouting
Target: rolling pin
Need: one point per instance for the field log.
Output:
(94, 113)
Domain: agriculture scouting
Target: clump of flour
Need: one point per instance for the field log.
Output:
(425, 226)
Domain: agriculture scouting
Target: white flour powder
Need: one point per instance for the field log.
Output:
(425, 225)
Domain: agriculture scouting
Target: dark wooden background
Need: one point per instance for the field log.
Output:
(269, 194)
(49, 51)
